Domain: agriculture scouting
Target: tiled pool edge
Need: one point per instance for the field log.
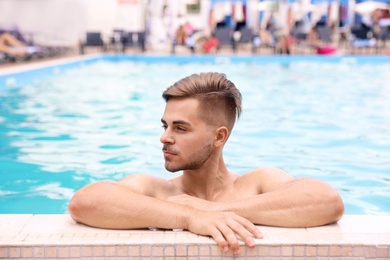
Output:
(59, 237)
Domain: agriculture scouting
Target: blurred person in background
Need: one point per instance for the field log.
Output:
(9, 44)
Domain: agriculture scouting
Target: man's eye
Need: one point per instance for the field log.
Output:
(164, 127)
(181, 128)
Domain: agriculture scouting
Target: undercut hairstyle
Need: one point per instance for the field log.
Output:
(219, 99)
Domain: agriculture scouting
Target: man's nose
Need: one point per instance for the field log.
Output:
(166, 137)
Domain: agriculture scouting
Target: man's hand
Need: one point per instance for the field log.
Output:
(223, 227)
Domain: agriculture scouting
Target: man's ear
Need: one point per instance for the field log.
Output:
(221, 136)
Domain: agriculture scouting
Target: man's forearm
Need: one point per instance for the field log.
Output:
(302, 203)
(108, 205)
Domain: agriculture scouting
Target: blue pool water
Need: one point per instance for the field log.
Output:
(66, 126)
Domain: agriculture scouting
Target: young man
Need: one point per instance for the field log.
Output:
(206, 199)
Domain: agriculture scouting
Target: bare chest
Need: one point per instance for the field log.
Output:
(235, 191)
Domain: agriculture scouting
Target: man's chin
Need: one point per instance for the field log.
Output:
(171, 169)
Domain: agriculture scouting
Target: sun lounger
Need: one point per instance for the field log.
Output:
(93, 39)
(245, 36)
(133, 40)
(361, 38)
(225, 38)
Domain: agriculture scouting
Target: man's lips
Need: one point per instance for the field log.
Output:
(167, 150)
(167, 153)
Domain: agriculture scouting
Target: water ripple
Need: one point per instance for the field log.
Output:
(329, 121)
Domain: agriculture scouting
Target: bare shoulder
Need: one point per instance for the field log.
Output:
(148, 185)
(267, 178)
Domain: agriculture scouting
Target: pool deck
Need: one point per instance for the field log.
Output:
(28, 236)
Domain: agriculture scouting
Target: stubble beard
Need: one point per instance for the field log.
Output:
(197, 160)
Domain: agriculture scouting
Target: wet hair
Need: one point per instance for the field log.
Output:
(219, 99)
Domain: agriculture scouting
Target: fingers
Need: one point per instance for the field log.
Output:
(220, 240)
(243, 233)
(227, 228)
(251, 228)
(243, 228)
(230, 237)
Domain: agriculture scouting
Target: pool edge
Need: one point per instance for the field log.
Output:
(27, 236)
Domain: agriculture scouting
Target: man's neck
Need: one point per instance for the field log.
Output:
(209, 181)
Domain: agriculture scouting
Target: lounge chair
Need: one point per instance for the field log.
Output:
(225, 38)
(30, 52)
(189, 43)
(265, 40)
(133, 40)
(115, 39)
(361, 38)
(382, 37)
(301, 40)
(246, 36)
(93, 39)
(318, 40)
(324, 34)
(13, 49)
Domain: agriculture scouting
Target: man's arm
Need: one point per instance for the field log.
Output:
(302, 202)
(130, 205)
(282, 201)
(112, 205)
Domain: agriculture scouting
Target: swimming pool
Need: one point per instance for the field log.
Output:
(64, 126)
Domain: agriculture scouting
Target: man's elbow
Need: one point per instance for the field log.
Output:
(336, 207)
(83, 202)
(328, 204)
(76, 207)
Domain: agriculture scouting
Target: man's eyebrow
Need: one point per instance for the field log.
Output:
(180, 122)
(176, 122)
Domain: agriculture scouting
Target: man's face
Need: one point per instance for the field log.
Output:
(187, 141)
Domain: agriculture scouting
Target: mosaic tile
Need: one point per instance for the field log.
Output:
(344, 240)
